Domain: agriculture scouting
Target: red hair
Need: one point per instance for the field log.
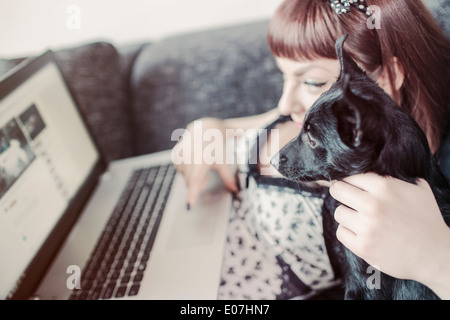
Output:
(308, 29)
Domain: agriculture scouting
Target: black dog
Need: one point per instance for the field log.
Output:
(353, 128)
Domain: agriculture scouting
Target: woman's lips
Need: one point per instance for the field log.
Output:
(298, 122)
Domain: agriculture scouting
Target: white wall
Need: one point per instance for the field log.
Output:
(31, 26)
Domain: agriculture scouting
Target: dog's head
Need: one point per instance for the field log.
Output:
(342, 132)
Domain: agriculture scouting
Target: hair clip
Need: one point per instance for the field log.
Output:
(343, 6)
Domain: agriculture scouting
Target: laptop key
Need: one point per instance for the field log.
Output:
(141, 267)
(115, 275)
(125, 279)
(95, 294)
(138, 277)
(83, 295)
(130, 268)
(108, 292)
(121, 291)
(146, 255)
(134, 290)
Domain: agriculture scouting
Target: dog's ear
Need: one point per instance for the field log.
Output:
(348, 65)
(348, 116)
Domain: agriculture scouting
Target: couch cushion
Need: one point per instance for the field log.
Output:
(441, 11)
(228, 72)
(94, 74)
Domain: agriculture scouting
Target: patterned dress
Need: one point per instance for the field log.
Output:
(275, 247)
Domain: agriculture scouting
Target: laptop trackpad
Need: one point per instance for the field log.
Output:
(197, 226)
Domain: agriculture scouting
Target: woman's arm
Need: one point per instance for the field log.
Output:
(396, 226)
(196, 173)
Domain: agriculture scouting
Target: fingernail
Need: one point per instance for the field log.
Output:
(238, 182)
(188, 206)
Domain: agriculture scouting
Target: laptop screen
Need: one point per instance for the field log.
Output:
(46, 154)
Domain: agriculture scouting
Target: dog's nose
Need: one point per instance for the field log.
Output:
(277, 160)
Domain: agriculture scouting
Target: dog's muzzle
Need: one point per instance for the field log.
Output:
(278, 160)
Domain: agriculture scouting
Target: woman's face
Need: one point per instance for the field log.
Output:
(304, 82)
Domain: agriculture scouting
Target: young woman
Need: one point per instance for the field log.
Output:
(276, 247)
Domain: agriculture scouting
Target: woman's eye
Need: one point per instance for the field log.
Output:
(315, 84)
(315, 87)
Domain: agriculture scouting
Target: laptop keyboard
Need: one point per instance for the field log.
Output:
(117, 264)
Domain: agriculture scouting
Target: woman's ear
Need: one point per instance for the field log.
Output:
(398, 78)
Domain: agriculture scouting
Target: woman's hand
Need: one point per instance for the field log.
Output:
(194, 166)
(196, 172)
(395, 226)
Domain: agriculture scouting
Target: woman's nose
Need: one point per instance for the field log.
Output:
(289, 102)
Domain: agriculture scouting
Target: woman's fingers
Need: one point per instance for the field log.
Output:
(196, 181)
(364, 181)
(353, 197)
(228, 177)
(345, 236)
(348, 218)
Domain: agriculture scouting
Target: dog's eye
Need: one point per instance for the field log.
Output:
(311, 141)
(308, 127)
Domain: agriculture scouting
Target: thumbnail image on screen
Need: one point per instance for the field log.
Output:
(16, 153)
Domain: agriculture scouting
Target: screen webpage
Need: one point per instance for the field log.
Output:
(45, 156)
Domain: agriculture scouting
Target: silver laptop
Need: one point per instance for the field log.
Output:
(72, 227)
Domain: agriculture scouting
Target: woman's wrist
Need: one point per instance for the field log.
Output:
(437, 276)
